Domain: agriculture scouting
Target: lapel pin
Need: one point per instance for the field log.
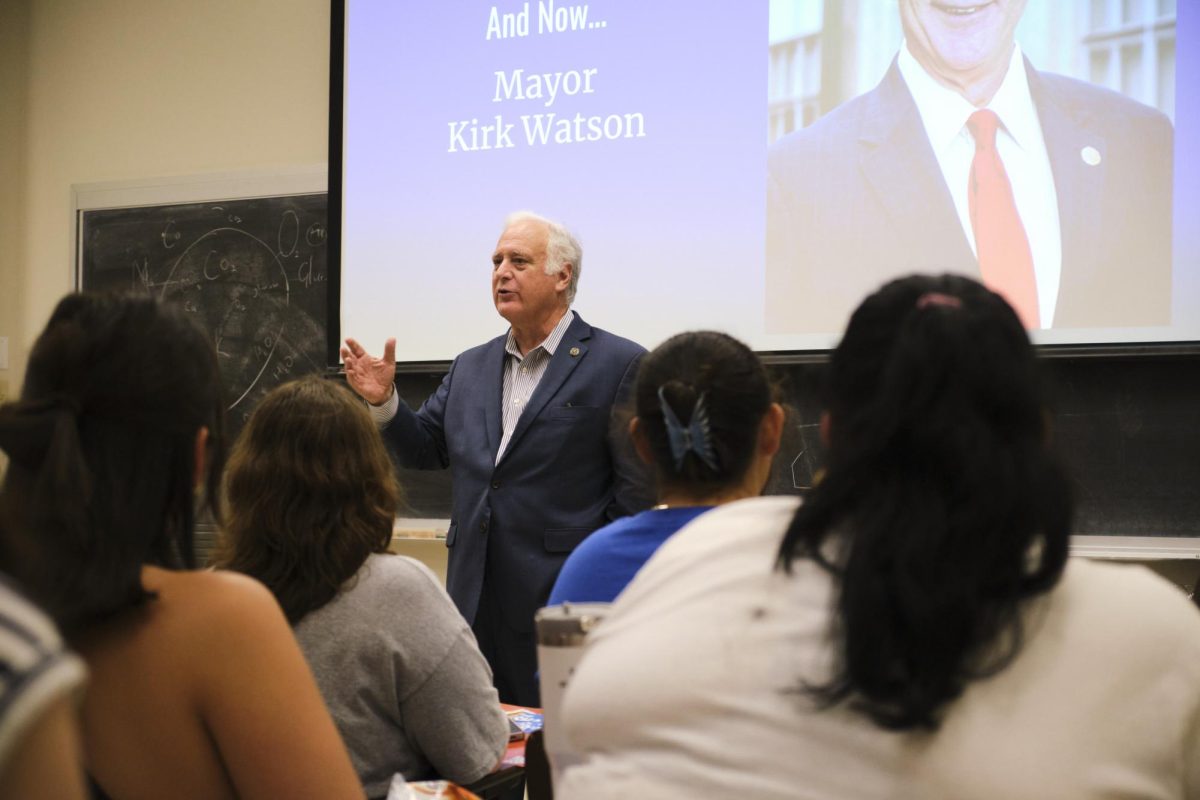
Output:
(1090, 156)
(574, 352)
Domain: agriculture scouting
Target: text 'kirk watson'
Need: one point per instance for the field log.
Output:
(467, 136)
(544, 128)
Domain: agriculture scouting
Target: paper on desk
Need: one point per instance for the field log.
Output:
(421, 790)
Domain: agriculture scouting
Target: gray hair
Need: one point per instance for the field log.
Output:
(562, 247)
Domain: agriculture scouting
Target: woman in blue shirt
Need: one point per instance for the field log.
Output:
(706, 421)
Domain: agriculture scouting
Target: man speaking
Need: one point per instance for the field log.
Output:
(1054, 192)
(523, 423)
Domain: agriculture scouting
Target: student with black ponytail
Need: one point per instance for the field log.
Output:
(940, 468)
(197, 688)
(914, 628)
(705, 420)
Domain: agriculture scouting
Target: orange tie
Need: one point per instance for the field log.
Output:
(1005, 261)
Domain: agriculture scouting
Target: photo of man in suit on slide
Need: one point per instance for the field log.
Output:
(965, 158)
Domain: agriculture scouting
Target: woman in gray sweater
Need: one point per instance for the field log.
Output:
(311, 499)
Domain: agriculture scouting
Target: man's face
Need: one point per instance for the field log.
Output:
(522, 291)
(960, 41)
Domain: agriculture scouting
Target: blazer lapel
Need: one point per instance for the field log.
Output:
(493, 384)
(570, 352)
(1079, 184)
(899, 164)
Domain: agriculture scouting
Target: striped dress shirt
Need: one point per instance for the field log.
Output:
(523, 373)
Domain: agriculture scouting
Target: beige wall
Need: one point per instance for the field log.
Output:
(133, 89)
(14, 97)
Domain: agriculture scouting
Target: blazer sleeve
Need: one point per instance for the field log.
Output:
(418, 438)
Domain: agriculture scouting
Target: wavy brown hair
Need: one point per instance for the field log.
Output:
(310, 493)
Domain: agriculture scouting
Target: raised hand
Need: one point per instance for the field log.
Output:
(372, 378)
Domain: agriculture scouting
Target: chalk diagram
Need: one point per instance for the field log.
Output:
(804, 466)
(240, 287)
(251, 272)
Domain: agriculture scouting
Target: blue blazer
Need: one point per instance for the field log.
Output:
(567, 470)
(858, 198)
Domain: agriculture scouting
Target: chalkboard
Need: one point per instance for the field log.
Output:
(426, 492)
(1128, 427)
(252, 271)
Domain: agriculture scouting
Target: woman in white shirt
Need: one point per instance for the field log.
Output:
(913, 630)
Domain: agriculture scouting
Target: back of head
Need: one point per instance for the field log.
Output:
(699, 399)
(942, 489)
(102, 447)
(310, 494)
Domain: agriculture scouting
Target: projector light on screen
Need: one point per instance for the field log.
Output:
(711, 192)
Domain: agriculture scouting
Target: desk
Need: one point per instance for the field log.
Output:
(510, 774)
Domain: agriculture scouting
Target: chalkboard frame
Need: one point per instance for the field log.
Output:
(201, 188)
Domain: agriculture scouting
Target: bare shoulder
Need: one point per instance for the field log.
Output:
(220, 621)
(204, 599)
(246, 673)
(203, 584)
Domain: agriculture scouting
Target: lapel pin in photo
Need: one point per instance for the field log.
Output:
(574, 352)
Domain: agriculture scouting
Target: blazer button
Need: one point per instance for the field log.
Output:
(495, 484)
(483, 526)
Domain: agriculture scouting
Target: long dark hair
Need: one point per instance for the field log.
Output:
(946, 507)
(310, 492)
(736, 394)
(102, 453)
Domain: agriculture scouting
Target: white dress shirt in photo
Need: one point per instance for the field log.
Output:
(1022, 148)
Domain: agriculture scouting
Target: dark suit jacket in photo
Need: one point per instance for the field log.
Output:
(565, 472)
(858, 198)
